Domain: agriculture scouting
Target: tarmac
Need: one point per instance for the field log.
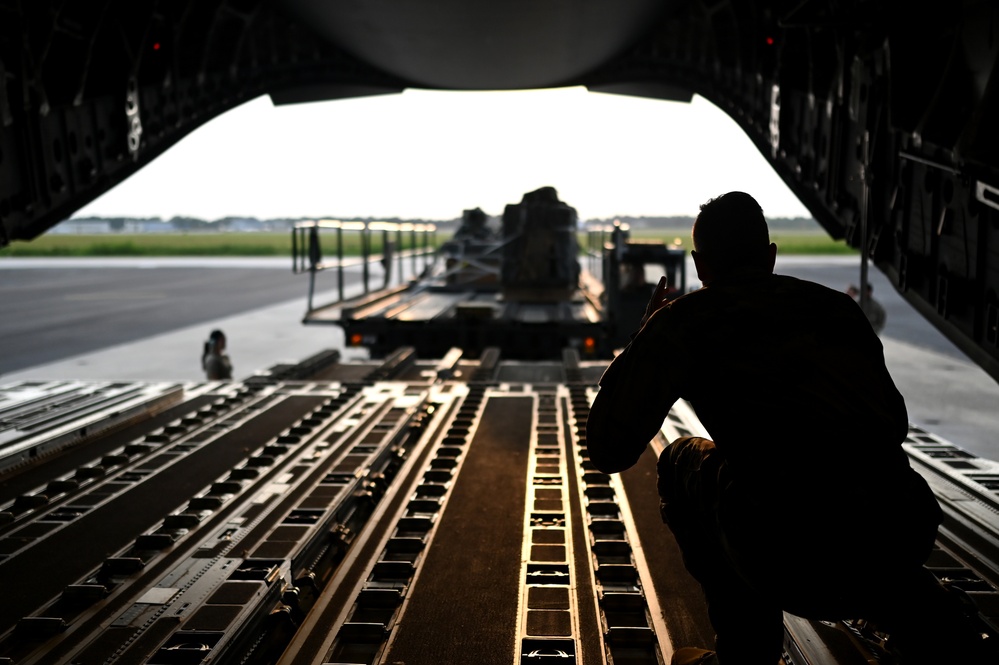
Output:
(946, 393)
(256, 339)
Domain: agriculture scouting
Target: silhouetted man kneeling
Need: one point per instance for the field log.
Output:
(804, 500)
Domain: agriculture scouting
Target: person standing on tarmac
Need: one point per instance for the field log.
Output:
(214, 359)
(803, 499)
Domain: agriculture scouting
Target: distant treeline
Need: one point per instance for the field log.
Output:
(685, 222)
(179, 224)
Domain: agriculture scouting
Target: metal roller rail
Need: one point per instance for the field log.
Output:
(360, 629)
(967, 555)
(550, 625)
(631, 623)
(39, 419)
(144, 551)
(119, 464)
(103, 516)
(67, 496)
(308, 523)
(310, 535)
(561, 572)
(208, 407)
(109, 524)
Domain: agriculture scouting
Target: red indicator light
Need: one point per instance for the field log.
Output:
(156, 46)
(356, 339)
(770, 41)
(590, 343)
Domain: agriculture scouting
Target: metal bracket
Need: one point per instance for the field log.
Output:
(987, 194)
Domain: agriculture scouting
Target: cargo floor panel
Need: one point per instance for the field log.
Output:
(57, 465)
(463, 608)
(115, 524)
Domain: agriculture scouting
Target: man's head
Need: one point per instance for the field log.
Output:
(217, 339)
(731, 236)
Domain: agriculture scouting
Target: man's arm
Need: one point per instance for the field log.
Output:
(636, 393)
(610, 449)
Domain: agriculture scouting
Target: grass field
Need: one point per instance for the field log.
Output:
(173, 244)
(279, 244)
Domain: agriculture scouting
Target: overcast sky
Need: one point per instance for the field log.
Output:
(430, 155)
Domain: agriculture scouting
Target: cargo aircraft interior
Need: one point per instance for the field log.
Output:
(438, 506)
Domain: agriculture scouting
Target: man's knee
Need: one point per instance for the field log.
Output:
(687, 449)
(683, 488)
(681, 463)
(685, 456)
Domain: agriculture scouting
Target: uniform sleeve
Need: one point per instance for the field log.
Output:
(636, 392)
(217, 369)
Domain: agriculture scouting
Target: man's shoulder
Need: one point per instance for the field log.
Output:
(769, 288)
(797, 283)
(769, 283)
(691, 301)
(809, 289)
(773, 291)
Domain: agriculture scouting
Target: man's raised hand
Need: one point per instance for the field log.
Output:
(657, 301)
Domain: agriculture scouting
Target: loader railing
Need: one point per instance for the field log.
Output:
(392, 245)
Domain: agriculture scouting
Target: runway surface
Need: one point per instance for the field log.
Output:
(56, 309)
(145, 319)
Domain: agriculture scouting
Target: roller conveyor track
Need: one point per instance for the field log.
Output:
(39, 419)
(113, 513)
(32, 480)
(396, 511)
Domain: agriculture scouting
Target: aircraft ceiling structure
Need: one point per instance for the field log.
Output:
(880, 116)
